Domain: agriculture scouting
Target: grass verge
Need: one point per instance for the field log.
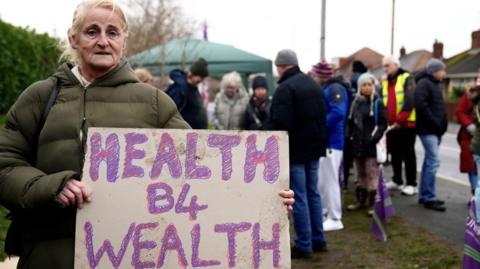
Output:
(407, 247)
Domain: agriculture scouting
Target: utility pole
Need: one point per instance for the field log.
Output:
(322, 35)
(393, 27)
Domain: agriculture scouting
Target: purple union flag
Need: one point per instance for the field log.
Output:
(382, 210)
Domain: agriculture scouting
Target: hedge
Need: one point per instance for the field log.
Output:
(25, 57)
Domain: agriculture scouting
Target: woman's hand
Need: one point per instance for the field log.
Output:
(288, 199)
(75, 193)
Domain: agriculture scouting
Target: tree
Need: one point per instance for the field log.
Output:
(155, 22)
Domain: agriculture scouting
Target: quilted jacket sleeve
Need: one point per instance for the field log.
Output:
(23, 186)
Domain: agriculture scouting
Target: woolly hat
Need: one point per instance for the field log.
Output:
(434, 65)
(285, 57)
(199, 68)
(322, 69)
(365, 78)
(359, 67)
(259, 81)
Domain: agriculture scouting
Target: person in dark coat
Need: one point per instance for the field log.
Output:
(431, 125)
(358, 68)
(184, 92)
(258, 108)
(466, 117)
(367, 122)
(298, 107)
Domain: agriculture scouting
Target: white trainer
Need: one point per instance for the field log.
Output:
(394, 186)
(332, 225)
(409, 190)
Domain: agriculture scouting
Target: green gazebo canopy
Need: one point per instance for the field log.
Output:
(221, 59)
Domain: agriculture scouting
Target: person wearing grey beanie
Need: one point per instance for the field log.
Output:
(298, 107)
(286, 57)
(432, 123)
(434, 65)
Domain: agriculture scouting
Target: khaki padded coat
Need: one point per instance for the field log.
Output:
(116, 99)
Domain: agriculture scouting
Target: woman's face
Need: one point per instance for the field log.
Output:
(230, 91)
(366, 89)
(261, 92)
(100, 40)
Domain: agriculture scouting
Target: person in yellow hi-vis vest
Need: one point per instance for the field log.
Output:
(398, 98)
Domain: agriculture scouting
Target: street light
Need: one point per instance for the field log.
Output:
(322, 35)
(393, 27)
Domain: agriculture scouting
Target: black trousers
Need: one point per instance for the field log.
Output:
(401, 146)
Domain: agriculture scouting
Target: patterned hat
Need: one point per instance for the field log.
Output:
(322, 69)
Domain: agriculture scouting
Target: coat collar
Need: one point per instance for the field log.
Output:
(290, 73)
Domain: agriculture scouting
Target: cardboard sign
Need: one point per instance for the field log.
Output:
(184, 199)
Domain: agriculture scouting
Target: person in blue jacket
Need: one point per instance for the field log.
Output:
(335, 92)
(184, 93)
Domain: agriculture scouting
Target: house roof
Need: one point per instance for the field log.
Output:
(415, 60)
(370, 58)
(464, 64)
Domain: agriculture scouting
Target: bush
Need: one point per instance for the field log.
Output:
(25, 58)
(456, 93)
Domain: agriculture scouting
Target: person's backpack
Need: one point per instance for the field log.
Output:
(16, 231)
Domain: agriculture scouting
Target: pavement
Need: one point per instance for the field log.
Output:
(451, 186)
(449, 225)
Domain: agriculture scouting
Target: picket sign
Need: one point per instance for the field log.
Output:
(184, 199)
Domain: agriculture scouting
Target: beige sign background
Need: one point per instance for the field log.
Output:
(184, 199)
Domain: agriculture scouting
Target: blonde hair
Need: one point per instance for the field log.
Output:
(143, 75)
(232, 79)
(69, 53)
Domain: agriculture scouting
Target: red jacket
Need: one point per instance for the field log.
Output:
(465, 116)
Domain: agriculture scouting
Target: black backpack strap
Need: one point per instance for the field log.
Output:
(51, 100)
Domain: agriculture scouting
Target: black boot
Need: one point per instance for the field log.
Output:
(435, 205)
(361, 195)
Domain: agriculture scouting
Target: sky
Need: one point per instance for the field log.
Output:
(264, 27)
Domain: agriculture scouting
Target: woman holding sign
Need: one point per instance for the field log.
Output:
(41, 157)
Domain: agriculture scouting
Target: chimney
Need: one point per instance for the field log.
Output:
(476, 39)
(403, 52)
(343, 62)
(437, 50)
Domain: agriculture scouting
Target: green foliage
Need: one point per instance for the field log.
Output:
(4, 223)
(25, 58)
(456, 93)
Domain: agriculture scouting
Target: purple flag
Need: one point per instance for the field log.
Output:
(205, 31)
(471, 247)
(382, 210)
